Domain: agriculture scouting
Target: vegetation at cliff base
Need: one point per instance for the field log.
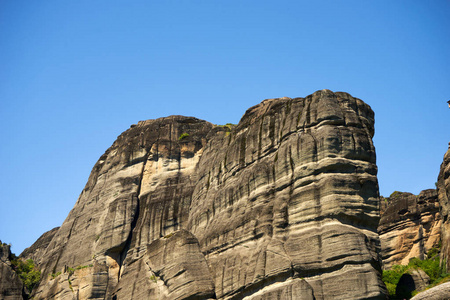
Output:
(27, 272)
(430, 266)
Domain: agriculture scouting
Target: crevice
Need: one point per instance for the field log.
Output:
(64, 246)
(260, 137)
(124, 252)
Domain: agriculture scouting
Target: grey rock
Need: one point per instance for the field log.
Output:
(172, 268)
(11, 287)
(36, 251)
(439, 292)
(293, 194)
(444, 201)
(283, 205)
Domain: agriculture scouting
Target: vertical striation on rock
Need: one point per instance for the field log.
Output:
(444, 197)
(36, 251)
(409, 227)
(143, 180)
(291, 201)
(283, 205)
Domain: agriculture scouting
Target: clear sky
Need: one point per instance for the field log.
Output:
(75, 74)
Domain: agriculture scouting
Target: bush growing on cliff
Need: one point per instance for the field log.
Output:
(392, 276)
(395, 194)
(183, 135)
(431, 267)
(27, 272)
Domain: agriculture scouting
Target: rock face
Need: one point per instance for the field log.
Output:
(409, 227)
(444, 197)
(282, 206)
(11, 287)
(440, 292)
(36, 251)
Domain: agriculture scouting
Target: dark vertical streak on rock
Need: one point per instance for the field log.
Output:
(62, 251)
(124, 252)
(260, 137)
(272, 130)
(242, 152)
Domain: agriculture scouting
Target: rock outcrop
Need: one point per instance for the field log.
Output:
(439, 292)
(414, 280)
(444, 197)
(410, 226)
(36, 251)
(11, 287)
(282, 206)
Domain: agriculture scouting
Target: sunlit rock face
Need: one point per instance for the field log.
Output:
(145, 179)
(410, 226)
(36, 251)
(444, 197)
(290, 202)
(282, 206)
(438, 292)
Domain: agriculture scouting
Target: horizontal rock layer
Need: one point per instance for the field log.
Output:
(282, 206)
(410, 226)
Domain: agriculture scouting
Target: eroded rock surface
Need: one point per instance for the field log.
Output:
(444, 200)
(11, 287)
(36, 251)
(167, 270)
(283, 205)
(439, 292)
(410, 226)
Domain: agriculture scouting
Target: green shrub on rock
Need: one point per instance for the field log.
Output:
(183, 135)
(431, 267)
(27, 272)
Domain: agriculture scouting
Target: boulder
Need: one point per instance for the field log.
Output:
(439, 292)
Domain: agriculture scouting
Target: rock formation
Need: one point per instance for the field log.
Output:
(444, 197)
(11, 287)
(36, 251)
(414, 280)
(282, 206)
(439, 292)
(409, 227)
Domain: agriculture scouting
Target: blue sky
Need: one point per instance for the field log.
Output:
(75, 74)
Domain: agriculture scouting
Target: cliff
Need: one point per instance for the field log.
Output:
(11, 287)
(282, 206)
(36, 251)
(444, 196)
(409, 227)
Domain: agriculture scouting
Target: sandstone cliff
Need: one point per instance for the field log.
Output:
(11, 287)
(36, 251)
(410, 226)
(444, 197)
(282, 206)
